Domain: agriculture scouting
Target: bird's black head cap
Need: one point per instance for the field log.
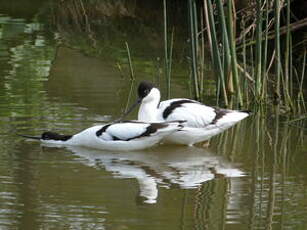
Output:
(144, 88)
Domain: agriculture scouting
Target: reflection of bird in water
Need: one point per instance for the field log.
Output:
(164, 166)
(203, 122)
(123, 136)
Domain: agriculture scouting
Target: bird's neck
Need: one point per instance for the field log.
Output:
(148, 111)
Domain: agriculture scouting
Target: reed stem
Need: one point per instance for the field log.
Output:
(258, 81)
(170, 60)
(277, 47)
(233, 53)
(287, 57)
(215, 50)
(301, 95)
(194, 42)
(265, 53)
(226, 46)
(130, 62)
(166, 61)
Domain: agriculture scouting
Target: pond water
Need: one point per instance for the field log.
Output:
(253, 176)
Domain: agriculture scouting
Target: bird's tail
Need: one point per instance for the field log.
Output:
(231, 118)
(172, 126)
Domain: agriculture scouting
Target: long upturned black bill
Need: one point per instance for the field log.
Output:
(132, 107)
(30, 137)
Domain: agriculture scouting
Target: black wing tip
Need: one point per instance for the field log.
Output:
(166, 123)
(178, 121)
(249, 112)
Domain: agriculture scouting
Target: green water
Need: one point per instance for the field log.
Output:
(253, 176)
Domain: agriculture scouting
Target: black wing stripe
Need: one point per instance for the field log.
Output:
(152, 128)
(174, 105)
(115, 138)
(102, 130)
(149, 130)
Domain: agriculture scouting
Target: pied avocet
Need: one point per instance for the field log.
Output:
(202, 122)
(122, 136)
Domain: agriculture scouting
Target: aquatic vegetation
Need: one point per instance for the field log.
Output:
(257, 48)
(243, 57)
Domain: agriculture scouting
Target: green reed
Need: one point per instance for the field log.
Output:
(287, 54)
(258, 75)
(232, 45)
(264, 50)
(253, 64)
(193, 24)
(168, 50)
(130, 62)
(217, 63)
(300, 92)
(277, 48)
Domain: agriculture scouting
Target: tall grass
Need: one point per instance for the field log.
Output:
(277, 47)
(253, 64)
(259, 61)
(168, 50)
(215, 53)
(193, 22)
(130, 62)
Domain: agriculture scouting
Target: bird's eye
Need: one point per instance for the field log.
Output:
(146, 91)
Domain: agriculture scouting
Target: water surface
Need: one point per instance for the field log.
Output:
(253, 176)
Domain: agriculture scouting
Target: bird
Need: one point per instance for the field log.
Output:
(202, 121)
(119, 136)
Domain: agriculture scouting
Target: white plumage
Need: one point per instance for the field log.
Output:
(123, 136)
(202, 122)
